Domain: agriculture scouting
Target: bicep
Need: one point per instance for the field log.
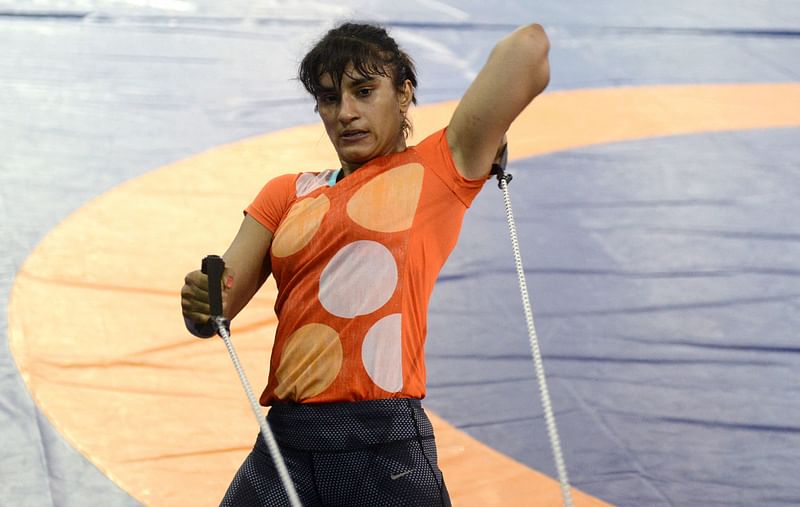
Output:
(248, 260)
(517, 71)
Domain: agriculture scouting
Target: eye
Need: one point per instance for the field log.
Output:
(328, 99)
(364, 92)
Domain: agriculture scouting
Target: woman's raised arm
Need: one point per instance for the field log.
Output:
(517, 71)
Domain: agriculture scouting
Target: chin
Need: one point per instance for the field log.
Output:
(355, 157)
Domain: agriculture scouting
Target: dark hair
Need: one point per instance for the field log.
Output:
(370, 50)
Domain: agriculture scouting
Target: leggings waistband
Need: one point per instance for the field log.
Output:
(348, 425)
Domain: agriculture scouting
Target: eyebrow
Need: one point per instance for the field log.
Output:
(354, 83)
(363, 80)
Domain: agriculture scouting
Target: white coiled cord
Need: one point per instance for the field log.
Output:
(550, 419)
(266, 433)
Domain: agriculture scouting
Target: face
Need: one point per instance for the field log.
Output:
(364, 118)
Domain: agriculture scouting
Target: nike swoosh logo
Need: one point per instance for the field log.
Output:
(394, 477)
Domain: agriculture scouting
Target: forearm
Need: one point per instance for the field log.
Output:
(246, 282)
(248, 265)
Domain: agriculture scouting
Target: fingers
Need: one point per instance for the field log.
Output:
(197, 279)
(194, 295)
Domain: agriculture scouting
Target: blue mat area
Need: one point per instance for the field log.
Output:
(665, 288)
(664, 272)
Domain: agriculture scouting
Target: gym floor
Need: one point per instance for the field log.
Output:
(654, 188)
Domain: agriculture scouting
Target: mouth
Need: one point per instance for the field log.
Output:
(353, 135)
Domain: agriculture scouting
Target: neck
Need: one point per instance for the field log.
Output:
(350, 167)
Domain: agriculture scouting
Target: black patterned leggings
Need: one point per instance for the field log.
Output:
(370, 453)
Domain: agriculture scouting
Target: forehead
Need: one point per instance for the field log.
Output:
(350, 77)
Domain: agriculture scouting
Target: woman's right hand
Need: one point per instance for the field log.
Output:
(194, 296)
(247, 261)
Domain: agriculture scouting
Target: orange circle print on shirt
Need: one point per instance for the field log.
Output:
(155, 409)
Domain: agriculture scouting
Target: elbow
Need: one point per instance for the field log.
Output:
(535, 38)
(531, 46)
(530, 40)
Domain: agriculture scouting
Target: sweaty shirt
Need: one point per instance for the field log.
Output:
(355, 263)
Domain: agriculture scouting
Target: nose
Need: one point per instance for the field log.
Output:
(348, 109)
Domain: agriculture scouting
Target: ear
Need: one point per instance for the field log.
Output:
(405, 96)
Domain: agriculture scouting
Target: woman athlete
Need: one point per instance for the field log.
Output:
(355, 253)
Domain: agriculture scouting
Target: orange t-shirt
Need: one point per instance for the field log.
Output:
(355, 264)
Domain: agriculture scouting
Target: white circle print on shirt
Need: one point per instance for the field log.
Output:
(382, 353)
(358, 280)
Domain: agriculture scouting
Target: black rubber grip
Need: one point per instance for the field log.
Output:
(213, 266)
(499, 169)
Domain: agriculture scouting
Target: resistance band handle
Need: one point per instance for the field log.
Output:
(213, 266)
(499, 169)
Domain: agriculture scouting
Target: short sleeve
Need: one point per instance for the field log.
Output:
(273, 201)
(436, 154)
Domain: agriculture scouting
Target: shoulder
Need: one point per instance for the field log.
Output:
(278, 195)
(434, 148)
(436, 156)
